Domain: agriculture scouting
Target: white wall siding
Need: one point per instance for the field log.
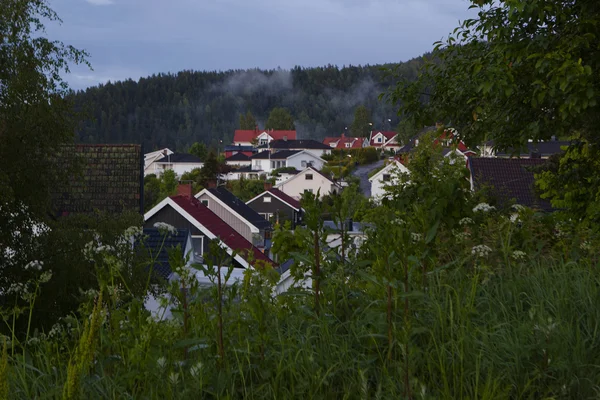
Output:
(226, 215)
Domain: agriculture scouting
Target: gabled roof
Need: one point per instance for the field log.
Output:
(388, 135)
(341, 141)
(293, 203)
(180, 158)
(298, 144)
(249, 135)
(280, 155)
(212, 226)
(509, 178)
(308, 169)
(388, 168)
(158, 246)
(238, 157)
(237, 206)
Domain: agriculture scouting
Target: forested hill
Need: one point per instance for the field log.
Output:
(176, 110)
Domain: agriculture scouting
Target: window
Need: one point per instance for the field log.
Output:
(348, 145)
(267, 199)
(378, 139)
(268, 233)
(386, 177)
(308, 177)
(205, 202)
(198, 247)
(273, 164)
(263, 141)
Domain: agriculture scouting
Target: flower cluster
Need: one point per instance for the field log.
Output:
(585, 245)
(196, 369)
(35, 265)
(165, 228)
(460, 236)
(481, 250)
(416, 237)
(465, 221)
(518, 255)
(483, 207)
(515, 218)
(518, 207)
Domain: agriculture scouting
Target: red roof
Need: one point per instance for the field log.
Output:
(388, 136)
(242, 136)
(291, 201)
(220, 229)
(355, 142)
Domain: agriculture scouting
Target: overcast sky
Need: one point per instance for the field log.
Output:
(134, 38)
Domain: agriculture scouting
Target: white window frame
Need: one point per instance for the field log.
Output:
(267, 199)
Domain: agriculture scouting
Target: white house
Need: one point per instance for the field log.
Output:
(150, 158)
(178, 162)
(308, 180)
(389, 175)
(299, 159)
(260, 137)
(238, 160)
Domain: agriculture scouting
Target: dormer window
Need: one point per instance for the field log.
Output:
(378, 140)
(348, 144)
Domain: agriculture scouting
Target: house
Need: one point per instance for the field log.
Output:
(508, 179)
(243, 219)
(243, 173)
(355, 232)
(238, 159)
(308, 180)
(311, 146)
(184, 211)
(385, 140)
(387, 176)
(447, 139)
(260, 137)
(111, 179)
(531, 150)
(150, 158)
(267, 161)
(233, 150)
(345, 142)
(277, 207)
(178, 162)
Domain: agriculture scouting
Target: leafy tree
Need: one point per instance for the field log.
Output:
(168, 184)
(406, 131)
(151, 191)
(520, 70)
(247, 121)
(280, 119)
(362, 125)
(210, 170)
(246, 189)
(199, 150)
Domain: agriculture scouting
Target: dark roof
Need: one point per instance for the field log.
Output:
(263, 155)
(240, 207)
(238, 157)
(509, 179)
(298, 144)
(280, 155)
(247, 168)
(111, 179)
(180, 158)
(158, 246)
(543, 149)
(282, 196)
(238, 148)
(220, 229)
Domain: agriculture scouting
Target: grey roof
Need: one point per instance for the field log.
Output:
(158, 246)
(280, 155)
(238, 157)
(180, 158)
(240, 207)
(543, 149)
(299, 144)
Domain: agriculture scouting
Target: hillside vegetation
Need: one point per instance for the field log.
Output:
(177, 110)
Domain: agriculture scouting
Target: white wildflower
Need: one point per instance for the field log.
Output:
(484, 207)
(518, 207)
(173, 378)
(518, 255)
(161, 362)
(465, 221)
(196, 369)
(481, 250)
(462, 235)
(56, 330)
(35, 265)
(46, 276)
(165, 228)
(514, 218)
(585, 245)
(416, 237)
(132, 231)
(399, 221)
(33, 341)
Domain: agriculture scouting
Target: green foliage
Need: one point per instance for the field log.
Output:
(496, 81)
(246, 189)
(248, 122)
(280, 119)
(199, 150)
(282, 170)
(168, 184)
(362, 124)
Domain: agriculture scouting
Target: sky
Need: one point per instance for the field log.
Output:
(136, 38)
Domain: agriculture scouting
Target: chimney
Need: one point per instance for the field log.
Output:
(268, 185)
(211, 184)
(185, 189)
(343, 136)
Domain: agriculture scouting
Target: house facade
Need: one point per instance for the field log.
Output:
(238, 160)
(388, 176)
(277, 207)
(260, 137)
(345, 142)
(385, 140)
(243, 219)
(178, 162)
(267, 161)
(150, 158)
(308, 180)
